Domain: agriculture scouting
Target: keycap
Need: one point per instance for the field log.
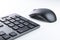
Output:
(17, 19)
(12, 20)
(21, 21)
(13, 34)
(26, 23)
(24, 18)
(16, 22)
(31, 26)
(21, 25)
(21, 30)
(2, 33)
(11, 24)
(1, 38)
(8, 18)
(7, 22)
(15, 27)
(33, 23)
(6, 36)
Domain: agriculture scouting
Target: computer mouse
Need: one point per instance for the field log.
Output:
(44, 14)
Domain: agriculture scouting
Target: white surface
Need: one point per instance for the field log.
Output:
(47, 31)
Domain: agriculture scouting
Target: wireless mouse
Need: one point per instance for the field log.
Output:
(44, 14)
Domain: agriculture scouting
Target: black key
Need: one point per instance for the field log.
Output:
(20, 25)
(21, 30)
(21, 21)
(24, 18)
(7, 22)
(17, 19)
(15, 27)
(1, 38)
(13, 34)
(8, 18)
(26, 23)
(1, 33)
(31, 26)
(16, 22)
(6, 36)
(11, 24)
(17, 16)
(12, 20)
(33, 23)
(13, 17)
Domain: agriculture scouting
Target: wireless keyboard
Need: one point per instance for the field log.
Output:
(14, 26)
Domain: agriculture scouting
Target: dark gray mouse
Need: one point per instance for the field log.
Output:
(44, 14)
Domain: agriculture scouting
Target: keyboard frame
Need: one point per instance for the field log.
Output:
(19, 35)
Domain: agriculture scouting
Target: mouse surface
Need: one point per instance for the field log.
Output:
(46, 15)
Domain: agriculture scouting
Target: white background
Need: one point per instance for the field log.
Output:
(47, 31)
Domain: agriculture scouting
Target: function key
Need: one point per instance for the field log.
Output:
(6, 36)
(2, 33)
(13, 34)
(1, 38)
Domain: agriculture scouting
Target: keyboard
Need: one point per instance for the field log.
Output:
(14, 26)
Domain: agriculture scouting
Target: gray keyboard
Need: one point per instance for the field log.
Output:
(14, 26)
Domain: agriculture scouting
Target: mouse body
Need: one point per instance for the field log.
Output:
(43, 14)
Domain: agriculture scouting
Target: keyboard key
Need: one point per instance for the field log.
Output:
(26, 23)
(1, 38)
(6, 36)
(15, 27)
(17, 19)
(13, 17)
(12, 20)
(7, 22)
(17, 16)
(1, 33)
(11, 24)
(21, 25)
(21, 21)
(31, 26)
(8, 18)
(21, 30)
(24, 18)
(33, 23)
(13, 34)
(16, 22)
